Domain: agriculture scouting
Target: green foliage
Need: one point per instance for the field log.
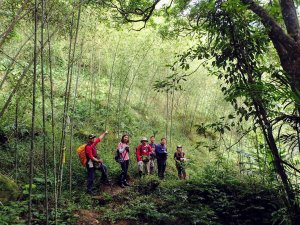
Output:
(9, 190)
(217, 196)
(15, 212)
(12, 213)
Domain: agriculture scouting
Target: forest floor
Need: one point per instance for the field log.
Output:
(93, 217)
(218, 197)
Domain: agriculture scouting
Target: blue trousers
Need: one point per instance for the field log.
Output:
(91, 175)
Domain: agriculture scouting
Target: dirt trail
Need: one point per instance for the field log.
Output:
(92, 217)
(87, 217)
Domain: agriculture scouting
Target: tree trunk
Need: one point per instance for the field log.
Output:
(291, 64)
(287, 45)
(247, 71)
(290, 17)
(268, 133)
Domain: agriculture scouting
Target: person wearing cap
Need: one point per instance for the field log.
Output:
(179, 157)
(93, 161)
(123, 159)
(161, 154)
(152, 155)
(143, 152)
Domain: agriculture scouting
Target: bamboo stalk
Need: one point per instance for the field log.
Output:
(110, 85)
(31, 152)
(72, 121)
(52, 122)
(172, 106)
(45, 156)
(71, 57)
(16, 137)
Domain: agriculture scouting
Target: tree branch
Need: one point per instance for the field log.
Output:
(290, 165)
(143, 14)
(276, 33)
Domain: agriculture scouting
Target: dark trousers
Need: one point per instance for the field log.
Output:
(161, 167)
(181, 171)
(91, 175)
(124, 167)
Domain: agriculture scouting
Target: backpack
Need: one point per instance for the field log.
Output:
(81, 154)
(117, 156)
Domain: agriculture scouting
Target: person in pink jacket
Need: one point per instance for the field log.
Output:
(123, 159)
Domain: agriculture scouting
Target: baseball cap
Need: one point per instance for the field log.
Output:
(91, 136)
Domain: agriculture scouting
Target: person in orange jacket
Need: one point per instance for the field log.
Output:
(143, 152)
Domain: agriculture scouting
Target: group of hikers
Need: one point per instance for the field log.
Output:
(147, 155)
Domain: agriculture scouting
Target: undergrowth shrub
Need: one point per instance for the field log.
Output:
(216, 196)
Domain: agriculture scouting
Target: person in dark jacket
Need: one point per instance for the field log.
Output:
(161, 156)
(179, 157)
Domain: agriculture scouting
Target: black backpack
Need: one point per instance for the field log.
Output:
(118, 159)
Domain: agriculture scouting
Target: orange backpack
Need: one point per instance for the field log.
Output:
(81, 154)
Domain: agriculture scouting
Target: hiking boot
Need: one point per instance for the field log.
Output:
(122, 186)
(126, 184)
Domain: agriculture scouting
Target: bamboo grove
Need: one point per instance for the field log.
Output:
(219, 77)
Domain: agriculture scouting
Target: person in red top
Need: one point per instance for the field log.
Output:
(143, 152)
(93, 161)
